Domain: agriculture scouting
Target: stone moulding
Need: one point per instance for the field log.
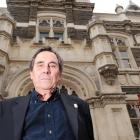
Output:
(106, 99)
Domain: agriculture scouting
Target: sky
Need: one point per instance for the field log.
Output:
(101, 6)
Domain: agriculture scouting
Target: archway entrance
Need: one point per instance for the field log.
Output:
(74, 80)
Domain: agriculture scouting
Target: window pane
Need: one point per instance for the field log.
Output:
(134, 114)
(124, 54)
(58, 35)
(136, 128)
(126, 63)
(44, 34)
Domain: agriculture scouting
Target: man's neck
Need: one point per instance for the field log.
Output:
(44, 94)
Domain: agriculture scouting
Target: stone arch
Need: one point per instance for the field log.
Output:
(79, 81)
(19, 83)
(72, 77)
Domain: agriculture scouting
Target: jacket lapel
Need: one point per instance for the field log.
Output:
(19, 111)
(72, 112)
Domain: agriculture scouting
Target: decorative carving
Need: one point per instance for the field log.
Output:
(105, 99)
(122, 79)
(44, 23)
(57, 23)
(109, 72)
(2, 68)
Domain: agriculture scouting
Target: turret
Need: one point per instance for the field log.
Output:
(103, 56)
(6, 30)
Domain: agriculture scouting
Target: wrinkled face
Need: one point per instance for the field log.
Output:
(45, 74)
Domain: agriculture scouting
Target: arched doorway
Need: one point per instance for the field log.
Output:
(72, 78)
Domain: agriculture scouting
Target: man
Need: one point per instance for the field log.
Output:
(45, 114)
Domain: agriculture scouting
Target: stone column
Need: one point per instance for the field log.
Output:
(110, 118)
(7, 25)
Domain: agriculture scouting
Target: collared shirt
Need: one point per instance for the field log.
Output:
(46, 120)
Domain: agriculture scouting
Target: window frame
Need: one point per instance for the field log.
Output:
(50, 29)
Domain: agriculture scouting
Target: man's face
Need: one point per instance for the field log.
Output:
(45, 74)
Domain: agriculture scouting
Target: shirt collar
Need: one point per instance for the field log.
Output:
(36, 96)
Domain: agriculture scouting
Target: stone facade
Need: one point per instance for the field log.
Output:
(101, 52)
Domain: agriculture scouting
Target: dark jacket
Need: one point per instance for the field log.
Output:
(12, 114)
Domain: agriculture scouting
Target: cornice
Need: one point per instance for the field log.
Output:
(5, 54)
(4, 33)
(126, 26)
(106, 99)
(6, 17)
(100, 55)
(100, 36)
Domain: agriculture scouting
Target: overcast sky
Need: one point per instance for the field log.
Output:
(101, 6)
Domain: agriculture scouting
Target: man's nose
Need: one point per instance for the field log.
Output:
(46, 69)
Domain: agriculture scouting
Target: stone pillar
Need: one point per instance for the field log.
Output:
(110, 118)
(7, 25)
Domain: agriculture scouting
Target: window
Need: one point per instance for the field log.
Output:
(52, 27)
(120, 51)
(58, 35)
(133, 107)
(124, 58)
(134, 113)
(44, 34)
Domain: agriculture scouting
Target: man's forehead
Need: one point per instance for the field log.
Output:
(46, 56)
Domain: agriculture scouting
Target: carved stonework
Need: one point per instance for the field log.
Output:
(122, 79)
(109, 72)
(125, 26)
(2, 68)
(105, 99)
(113, 99)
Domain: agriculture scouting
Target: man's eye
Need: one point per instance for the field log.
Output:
(52, 66)
(40, 65)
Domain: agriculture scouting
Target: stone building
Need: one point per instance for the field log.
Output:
(101, 52)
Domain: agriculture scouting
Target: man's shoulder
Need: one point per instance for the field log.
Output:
(12, 99)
